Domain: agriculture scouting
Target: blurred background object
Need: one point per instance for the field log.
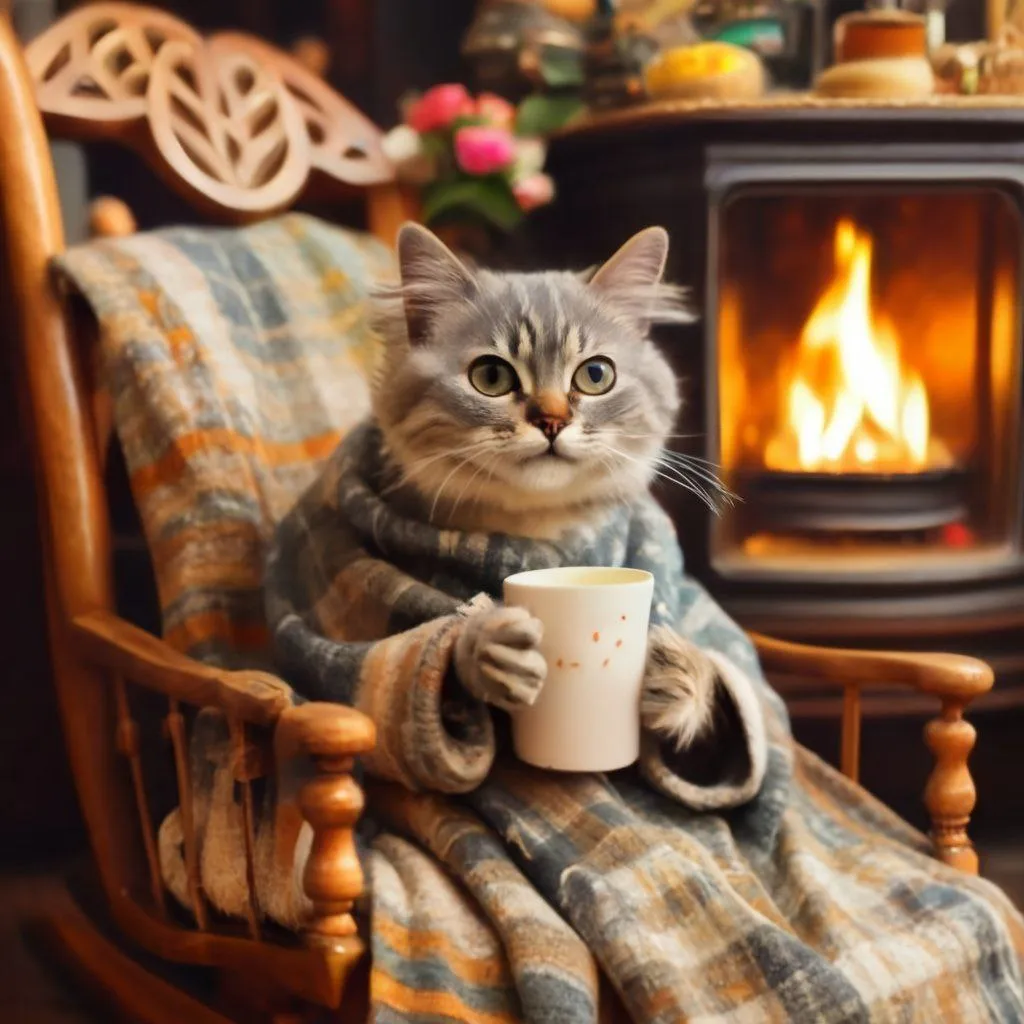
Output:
(516, 47)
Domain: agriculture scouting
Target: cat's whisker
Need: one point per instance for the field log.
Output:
(490, 475)
(444, 483)
(672, 475)
(419, 466)
(618, 490)
(465, 487)
(691, 459)
(690, 483)
(706, 465)
(702, 472)
(446, 453)
(488, 467)
(713, 482)
(660, 437)
(689, 456)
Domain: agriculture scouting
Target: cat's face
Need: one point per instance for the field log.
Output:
(526, 392)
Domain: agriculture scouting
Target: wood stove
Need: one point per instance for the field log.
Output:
(856, 369)
(862, 370)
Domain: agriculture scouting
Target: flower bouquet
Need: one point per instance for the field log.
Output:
(471, 158)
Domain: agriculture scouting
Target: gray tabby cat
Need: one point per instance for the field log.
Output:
(528, 404)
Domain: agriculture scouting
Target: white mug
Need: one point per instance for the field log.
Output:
(587, 717)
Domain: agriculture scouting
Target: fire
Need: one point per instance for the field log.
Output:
(851, 404)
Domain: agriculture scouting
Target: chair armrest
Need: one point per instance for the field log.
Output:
(946, 676)
(332, 736)
(954, 679)
(256, 698)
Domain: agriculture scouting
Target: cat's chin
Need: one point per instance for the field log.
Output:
(547, 472)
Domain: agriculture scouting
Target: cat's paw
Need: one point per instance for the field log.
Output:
(678, 696)
(497, 659)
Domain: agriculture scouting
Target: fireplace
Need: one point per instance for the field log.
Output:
(855, 372)
(864, 377)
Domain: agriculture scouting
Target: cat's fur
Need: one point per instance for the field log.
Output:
(473, 462)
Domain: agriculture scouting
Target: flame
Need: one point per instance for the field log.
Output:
(850, 403)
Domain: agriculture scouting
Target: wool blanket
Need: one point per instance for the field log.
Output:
(234, 361)
(742, 880)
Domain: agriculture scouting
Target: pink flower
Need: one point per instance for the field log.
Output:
(438, 107)
(497, 112)
(534, 191)
(482, 150)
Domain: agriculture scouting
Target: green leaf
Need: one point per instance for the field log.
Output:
(489, 198)
(434, 143)
(541, 114)
(467, 121)
(438, 151)
(560, 67)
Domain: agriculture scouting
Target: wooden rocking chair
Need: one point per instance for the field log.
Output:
(140, 77)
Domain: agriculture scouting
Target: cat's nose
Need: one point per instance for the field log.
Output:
(549, 412)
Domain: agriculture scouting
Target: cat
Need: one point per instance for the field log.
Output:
(529, 404)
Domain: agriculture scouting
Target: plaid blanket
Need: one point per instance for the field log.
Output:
(802, 898)
(236, 361)
(498, 893)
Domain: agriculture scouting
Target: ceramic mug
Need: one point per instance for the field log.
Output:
(587, 717)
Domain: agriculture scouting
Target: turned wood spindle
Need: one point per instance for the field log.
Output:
(245, 767)
(849, 756)
(110, 217)
(331, 802)
(950, 795)
(128, 744)
(178, 735)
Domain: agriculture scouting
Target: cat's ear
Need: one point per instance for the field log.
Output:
(631, 281)
(638, 263)
(432, 277)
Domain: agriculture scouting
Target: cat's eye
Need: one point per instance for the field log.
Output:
(594, 377)
(492, 376)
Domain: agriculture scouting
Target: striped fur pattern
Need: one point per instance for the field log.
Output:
(741, 880)
(477, 461)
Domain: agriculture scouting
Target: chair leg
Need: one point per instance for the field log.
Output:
(128, 989)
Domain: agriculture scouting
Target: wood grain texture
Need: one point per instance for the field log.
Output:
(110, 217)
(331, 802)
(849, 751)
(128, 746)
(109, 642)
(954, 679)
(176, 731)
(129, 991)
(333, 877)
(252, 907)
(949, 794)
(71, 510)
(323, 730)
(940, 675)
(237, 126)
(92, 648)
